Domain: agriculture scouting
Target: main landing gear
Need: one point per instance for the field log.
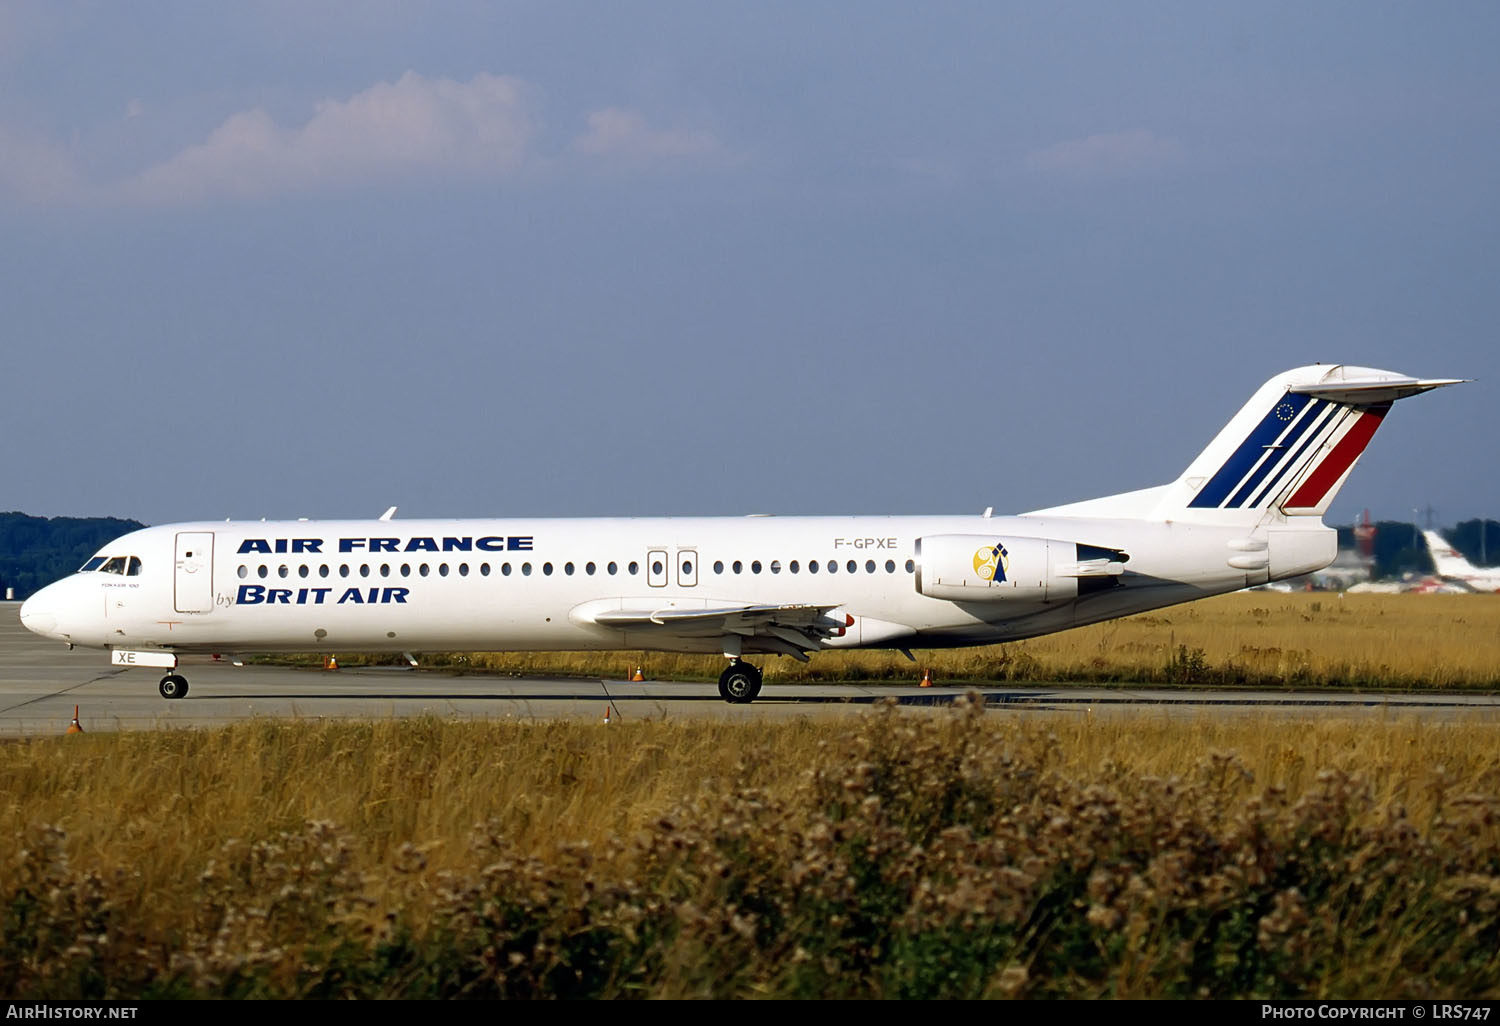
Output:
(739, 683)
(173, 685)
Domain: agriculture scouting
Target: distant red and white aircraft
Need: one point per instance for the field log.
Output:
(1452, 566)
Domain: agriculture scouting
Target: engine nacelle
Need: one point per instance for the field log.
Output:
(984, 568)
(1039, 571)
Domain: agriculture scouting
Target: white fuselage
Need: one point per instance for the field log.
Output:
(539, 584)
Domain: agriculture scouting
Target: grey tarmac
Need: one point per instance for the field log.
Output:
(41, 681)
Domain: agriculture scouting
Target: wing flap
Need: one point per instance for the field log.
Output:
(790, 629)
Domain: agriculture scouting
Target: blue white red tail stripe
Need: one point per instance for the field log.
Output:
(1331, 414)
(1336, 464)
(1280, 428)
(1302, 429)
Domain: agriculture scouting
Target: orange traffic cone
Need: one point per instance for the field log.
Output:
(639, 676)
(74, 727)
(606, 714)
(926, 679)
(331, 662)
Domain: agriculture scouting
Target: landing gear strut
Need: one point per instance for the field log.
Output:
(739, 683)
(173, 685)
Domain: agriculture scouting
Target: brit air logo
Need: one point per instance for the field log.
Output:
(259, 594)
(992, 563)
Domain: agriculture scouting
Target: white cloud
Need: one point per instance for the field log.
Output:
(479, 128)
(1105, 155)
(617, 132)
(433, 128)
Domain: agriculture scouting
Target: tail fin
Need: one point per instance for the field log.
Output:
(1290, 448)
(1448, 561)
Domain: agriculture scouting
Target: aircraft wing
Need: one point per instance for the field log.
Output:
(791, 629)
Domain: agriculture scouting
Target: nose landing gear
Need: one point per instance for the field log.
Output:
(173, 685)
(739, 683)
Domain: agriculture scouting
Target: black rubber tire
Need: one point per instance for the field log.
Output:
(739, 683)
(173, 686)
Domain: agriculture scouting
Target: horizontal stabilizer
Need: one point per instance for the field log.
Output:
(1371, 390)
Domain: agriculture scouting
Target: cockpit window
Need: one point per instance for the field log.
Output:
(92, 565)
(134, 569)
(114, 565)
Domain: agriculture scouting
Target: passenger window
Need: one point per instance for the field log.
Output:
(525, 569)
(424, 569)
(323, 570)
(755, 567)
(910, 566)
(833, 566)
(463, 569)
(613, 568)
(718, 566)
(484, 569)
(852, 567)
(442, 569)
(869, 566)
(243, 571)
(261, 571)
(364, 569)
(775, 566)
(890, 566)
(568, 568)
(739, 567)
(343, 570)
(547, 569)
(634, 568)
(687, 568)
(656, 566)
(282, 571)
(505, 569)
(589, 569)
(792, 566)
(405, 569)
(303, 571)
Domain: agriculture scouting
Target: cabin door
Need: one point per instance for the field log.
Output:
(193, 574)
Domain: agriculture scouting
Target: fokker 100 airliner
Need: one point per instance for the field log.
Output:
(1247, 511)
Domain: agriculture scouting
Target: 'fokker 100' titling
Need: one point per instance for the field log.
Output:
(1247, 511)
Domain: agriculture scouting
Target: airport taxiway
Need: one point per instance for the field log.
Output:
(41, 681)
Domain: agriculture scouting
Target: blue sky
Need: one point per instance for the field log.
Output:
(484, 259)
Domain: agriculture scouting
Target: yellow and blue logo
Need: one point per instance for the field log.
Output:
(992, 563)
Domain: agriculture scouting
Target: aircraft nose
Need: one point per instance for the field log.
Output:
(37, 617)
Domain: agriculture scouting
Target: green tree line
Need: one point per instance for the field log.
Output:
(35, 551)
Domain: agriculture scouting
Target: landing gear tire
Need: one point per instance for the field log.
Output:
(173, 685)
(739, 683)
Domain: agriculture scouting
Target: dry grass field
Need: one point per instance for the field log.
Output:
(1270, 639)
(900, 854)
